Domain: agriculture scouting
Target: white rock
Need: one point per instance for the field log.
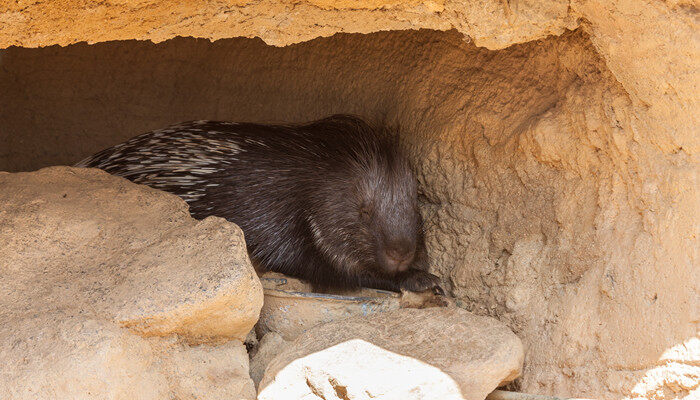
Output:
(356, 369)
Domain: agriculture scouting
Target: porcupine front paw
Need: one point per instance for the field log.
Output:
(415, 280)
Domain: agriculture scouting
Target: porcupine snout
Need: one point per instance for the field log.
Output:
(399, 256)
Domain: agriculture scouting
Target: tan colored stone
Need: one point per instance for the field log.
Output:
(73, 355)
(219, 372)
(432, 353)
(92, 265)
(677, 374)
(549, 203)
(286, 314)
(267, 349)
(559, 177)
(653, 50)
(490, 23)
(291, 306)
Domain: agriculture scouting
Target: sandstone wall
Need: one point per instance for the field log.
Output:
(651, 47)
(559, 176)
(278, 22)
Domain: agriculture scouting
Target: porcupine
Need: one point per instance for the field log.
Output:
(332, 201)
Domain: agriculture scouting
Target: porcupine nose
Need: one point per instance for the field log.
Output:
(399, 257)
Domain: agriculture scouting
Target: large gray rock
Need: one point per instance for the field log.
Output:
(432, 353)
(108, 289)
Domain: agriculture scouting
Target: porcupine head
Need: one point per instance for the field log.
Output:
(366, 218)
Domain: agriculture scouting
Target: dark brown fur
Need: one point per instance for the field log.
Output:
(332, 201)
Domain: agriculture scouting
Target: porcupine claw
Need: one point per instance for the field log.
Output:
(415, 280)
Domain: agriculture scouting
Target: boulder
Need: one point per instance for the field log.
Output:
(432, 353)
(108, 288)
(66, 355)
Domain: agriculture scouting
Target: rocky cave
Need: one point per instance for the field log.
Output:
(556, 145)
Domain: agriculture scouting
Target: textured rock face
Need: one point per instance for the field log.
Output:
(627, 33)
(111, 289)
(433, 353)
(491, 23)
(559, 177)
(289, 314)
(676, 376)
(269, 347)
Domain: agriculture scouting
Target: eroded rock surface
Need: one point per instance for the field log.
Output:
(267, 349)
(110, 289)
(432, 353)
(677, 375)
(559, 177)
(490, 23)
